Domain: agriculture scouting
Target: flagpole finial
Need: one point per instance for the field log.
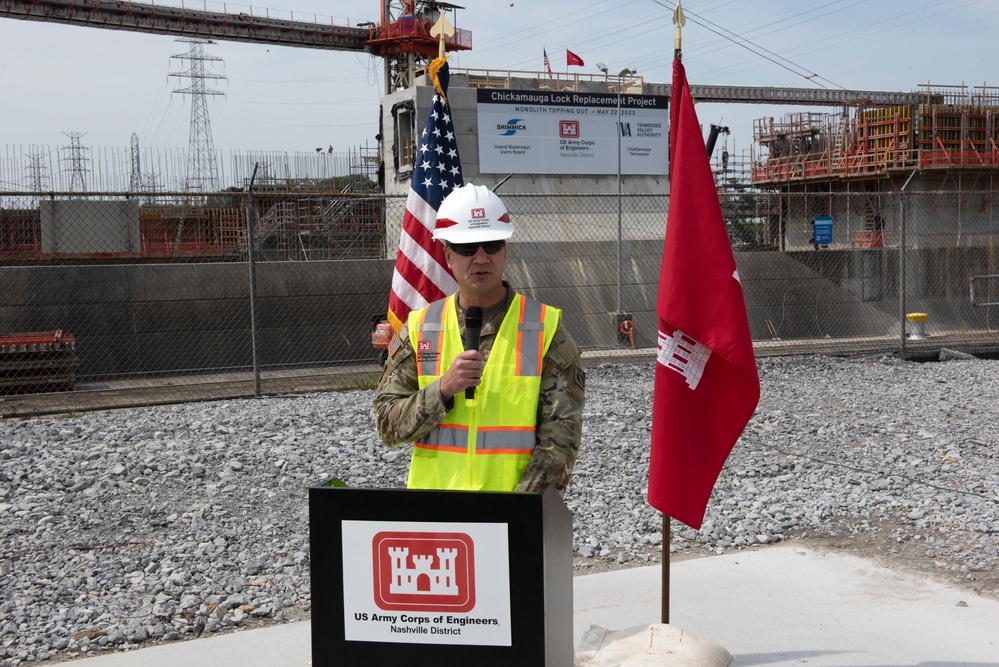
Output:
(441, 29)
(679, 20)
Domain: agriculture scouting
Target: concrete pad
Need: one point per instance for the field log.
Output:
(779, 606)
(792, 606)
(285, 645)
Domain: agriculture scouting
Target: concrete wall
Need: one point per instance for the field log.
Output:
(134, 320)
(956, 211)
(142, 319)
(85, 226)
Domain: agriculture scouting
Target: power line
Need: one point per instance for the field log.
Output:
(753, 48)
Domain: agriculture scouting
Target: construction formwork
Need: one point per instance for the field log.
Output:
(288, 225)
(956, 128)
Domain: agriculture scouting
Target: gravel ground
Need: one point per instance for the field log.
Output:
(136, 526)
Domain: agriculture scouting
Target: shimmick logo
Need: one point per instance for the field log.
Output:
(510, 127)
(417, 571)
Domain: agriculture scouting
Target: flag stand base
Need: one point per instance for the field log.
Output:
(648, 646)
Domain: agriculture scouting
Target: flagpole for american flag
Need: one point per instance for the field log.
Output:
(678, 20)
(421, 275)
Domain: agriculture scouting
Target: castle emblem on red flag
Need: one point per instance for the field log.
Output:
(415, 571)
(683, 354)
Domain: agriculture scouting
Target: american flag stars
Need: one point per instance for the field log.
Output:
(421, 273)
(438, 167)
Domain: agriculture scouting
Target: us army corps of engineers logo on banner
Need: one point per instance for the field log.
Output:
(426, 583)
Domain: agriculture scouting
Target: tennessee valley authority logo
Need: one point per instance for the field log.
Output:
(417, 571)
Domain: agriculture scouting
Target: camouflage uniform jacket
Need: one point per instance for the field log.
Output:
(405, 413)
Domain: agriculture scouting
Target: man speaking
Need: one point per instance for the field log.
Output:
(500, 414)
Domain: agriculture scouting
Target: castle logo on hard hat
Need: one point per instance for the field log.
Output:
(478, 213)
(424, 571)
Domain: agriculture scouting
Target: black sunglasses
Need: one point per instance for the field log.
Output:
(469, 249)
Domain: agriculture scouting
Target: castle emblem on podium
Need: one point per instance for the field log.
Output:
(437, 580)
(424, 571)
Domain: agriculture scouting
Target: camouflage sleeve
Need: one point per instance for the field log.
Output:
(403, 411)
(560, 417)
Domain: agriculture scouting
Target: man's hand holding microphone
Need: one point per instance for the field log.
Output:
(466, 371)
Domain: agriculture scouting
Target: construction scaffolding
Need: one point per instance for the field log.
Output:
(953, 128)
(289, 225)
(305, 206)
(961, 133)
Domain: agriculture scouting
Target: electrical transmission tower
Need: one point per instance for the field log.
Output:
(36, 171)
(77, 163)
(202, 171)
(135, 179)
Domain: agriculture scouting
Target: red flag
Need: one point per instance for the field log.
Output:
(572, 59)
(421, 274)
(706, 386)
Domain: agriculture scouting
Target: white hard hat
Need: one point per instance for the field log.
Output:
(472, 214)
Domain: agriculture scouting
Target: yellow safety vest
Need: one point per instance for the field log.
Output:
(483, 444)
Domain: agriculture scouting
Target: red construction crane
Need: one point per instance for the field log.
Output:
(402, 37)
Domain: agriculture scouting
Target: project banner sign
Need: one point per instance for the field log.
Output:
(547, 132)
(426, 583)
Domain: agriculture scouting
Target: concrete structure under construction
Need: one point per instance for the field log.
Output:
(944, 143)
(870, 140)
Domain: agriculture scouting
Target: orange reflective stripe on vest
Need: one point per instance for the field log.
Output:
(450, 437)
(504, 440)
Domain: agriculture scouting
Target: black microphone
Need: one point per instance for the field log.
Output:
(473, 327)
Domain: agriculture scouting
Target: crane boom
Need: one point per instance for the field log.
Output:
(189, 22)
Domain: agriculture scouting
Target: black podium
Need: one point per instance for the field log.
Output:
(438, 578)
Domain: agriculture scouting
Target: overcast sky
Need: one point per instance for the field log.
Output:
(109, 84)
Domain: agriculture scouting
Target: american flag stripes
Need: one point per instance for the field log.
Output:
(421, 274)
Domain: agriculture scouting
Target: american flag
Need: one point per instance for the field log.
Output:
(548, 65)
(421, 274)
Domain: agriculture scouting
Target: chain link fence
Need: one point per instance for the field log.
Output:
(130, 299)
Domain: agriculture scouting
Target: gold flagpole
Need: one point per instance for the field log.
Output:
(679, 20)
(441, 29)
